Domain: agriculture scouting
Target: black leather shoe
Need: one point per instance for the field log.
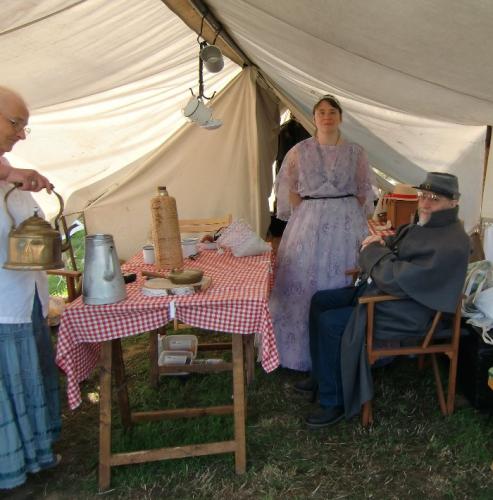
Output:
(324, 417)
(305, 387)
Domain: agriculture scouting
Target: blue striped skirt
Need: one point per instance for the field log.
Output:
(29, 399)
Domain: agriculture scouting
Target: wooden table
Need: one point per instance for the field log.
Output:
(237, 302)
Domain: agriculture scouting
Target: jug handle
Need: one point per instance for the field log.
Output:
(7, 207)
(108, 274)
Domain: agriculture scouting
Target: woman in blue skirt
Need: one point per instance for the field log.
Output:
(29, 394)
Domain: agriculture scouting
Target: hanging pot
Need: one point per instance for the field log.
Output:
(34, 245)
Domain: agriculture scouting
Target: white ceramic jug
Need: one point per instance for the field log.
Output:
(103, 281)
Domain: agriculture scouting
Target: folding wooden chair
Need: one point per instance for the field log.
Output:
(436, 341)
(72, 276)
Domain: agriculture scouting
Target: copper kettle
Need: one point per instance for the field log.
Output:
(34, 245)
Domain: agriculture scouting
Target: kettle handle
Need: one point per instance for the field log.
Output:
(57, 218)
(109, 268)
(7, 194)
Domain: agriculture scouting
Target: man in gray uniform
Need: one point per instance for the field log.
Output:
(425, 263)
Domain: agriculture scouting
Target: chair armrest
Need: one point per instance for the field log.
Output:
(353, 272)
(368, 299)
(66, 273)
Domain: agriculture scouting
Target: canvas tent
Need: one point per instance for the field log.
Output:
(106, 81)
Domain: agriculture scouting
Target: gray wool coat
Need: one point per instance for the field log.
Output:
(427, 264)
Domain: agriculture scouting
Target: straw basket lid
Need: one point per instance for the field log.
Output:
(404, 192)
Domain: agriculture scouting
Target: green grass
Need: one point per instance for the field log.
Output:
(410, 452)
(57, 284)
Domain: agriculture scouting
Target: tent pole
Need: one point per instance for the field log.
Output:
(191, 13)
(487, 143)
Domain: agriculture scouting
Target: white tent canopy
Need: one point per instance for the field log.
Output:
(106, 81)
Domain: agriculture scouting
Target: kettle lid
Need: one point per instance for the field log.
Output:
(35, 226)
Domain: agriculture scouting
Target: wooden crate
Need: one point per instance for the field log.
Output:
(401, 211)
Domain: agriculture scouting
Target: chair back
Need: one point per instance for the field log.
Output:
(204, 225)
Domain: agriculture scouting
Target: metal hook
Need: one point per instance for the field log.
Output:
(217, 34)
(201, 28)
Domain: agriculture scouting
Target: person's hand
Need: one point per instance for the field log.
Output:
(373, 238)
(29, 179)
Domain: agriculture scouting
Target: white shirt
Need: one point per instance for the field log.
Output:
(17, 287)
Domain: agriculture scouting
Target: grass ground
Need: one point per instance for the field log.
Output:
(410, 452)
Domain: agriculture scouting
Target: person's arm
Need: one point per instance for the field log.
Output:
(364, 181)
(294, 199)
(286, 187)
(29, 180)
(378, 261)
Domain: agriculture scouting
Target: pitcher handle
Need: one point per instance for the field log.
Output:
(109, 267)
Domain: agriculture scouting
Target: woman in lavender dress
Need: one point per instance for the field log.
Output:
(324, 189)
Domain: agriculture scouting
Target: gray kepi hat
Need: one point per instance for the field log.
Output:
(441, 183)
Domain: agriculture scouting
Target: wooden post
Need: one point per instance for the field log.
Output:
(121, 384)
(249, 346)
(153, 358)
(105, 417)
(239, 404)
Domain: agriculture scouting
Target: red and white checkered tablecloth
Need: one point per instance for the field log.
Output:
(236, 302)
(382, 230)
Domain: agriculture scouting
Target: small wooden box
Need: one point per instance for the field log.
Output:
(401, 211)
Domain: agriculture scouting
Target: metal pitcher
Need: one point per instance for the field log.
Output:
(34, 245)
(103, 281)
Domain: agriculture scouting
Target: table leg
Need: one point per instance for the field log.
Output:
(239, 404)
(153, 358)
(249, 346)
(105, 416)
(121, 384)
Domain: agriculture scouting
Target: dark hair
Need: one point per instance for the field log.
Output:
(329, 99)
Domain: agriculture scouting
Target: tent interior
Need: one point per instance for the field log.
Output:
(106, 83)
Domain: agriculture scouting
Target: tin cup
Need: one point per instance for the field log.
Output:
(148, 254)
(189, 246)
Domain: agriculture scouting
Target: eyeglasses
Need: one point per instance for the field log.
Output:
(17, 125)
(435, 198)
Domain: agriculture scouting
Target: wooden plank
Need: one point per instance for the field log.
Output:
(192, 18)
(196, 368)
(144, 416)
(105, 416)
(215, 346)
(194, 450)
(239, 404)
(404, 351)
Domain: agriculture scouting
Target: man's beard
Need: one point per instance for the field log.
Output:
(424, 217)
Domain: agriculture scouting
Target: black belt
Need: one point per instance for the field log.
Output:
(326, 197)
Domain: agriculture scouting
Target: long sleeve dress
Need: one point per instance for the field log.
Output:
(30, 418)
(322, 238)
